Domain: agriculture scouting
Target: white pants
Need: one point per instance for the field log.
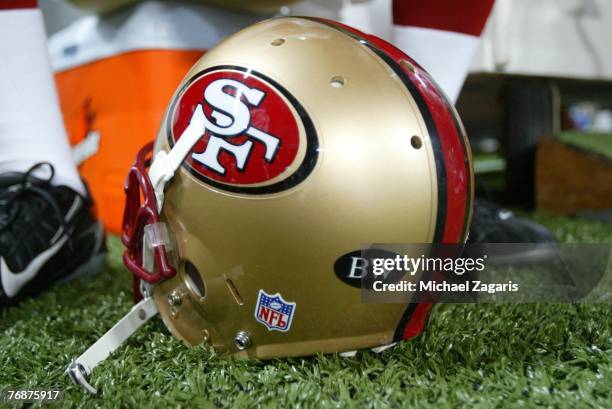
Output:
(31, 126)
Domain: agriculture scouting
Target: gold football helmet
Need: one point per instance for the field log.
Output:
(285, 150)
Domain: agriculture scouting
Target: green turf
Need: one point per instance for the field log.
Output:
(471, 355)
(595, 142)
(488, 163)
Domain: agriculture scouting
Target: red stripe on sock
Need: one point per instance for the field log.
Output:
(18, 4)
(466, 16)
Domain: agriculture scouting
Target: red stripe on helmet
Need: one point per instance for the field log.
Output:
(466, 17)
(452, 141)
(458, 172)
(417, 321)
(453, 144)
(456, 165)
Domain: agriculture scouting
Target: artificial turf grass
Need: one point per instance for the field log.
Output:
(599, 143)
(473, 355)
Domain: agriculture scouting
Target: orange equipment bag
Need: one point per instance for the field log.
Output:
(111, 108)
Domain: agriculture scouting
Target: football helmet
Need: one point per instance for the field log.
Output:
(285, 150)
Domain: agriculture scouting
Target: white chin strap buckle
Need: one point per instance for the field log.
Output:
(165, 164)
(80, 369)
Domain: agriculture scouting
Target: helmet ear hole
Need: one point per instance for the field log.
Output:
(193, 279)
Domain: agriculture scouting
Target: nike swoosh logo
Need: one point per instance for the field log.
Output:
(13, 282)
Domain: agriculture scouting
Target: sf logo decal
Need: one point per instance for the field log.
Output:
(255, 137)
(233, 118)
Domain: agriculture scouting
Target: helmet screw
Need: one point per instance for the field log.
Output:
(242, 340)
(174, 298)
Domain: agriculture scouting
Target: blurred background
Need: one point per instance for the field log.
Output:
(537, 103)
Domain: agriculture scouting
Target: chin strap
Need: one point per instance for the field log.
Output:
(165, 164)
(80, 369)
(161, 171)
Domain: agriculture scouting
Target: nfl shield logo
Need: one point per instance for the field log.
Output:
(274, 312)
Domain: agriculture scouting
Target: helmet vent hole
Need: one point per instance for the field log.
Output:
(277, 42)
(337, 82)
(416, 142)
(194, 279)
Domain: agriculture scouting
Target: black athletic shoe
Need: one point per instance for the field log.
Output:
(47, 235)
(492, 224)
